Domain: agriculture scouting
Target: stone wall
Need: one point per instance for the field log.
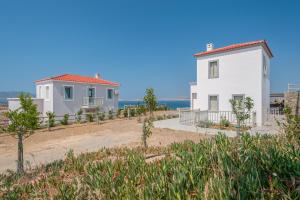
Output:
(292, 99)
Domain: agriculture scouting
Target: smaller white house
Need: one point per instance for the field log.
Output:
(68, 93)
(233, 72)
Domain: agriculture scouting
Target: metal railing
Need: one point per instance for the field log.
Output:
(193, 117)
(92, 101)
(293, 87)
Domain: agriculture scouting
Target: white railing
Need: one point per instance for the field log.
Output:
(293, 87)
(92, 101)
(193, 117)
(276, 111)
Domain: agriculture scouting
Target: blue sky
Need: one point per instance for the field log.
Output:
(139, 43)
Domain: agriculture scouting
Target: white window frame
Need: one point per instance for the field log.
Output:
(209, 74)
(112, 94)
(218, 105)
(87, 91)
(73, 94)
(238, 95)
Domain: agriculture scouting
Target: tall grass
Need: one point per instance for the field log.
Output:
(249, 167)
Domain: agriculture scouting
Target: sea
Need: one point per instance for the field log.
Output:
(171, 104)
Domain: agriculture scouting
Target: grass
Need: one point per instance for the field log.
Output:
(250, 167)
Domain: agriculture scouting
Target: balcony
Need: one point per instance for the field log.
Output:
(91, 102)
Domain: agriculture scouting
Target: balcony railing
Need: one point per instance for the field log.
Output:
(92, 101)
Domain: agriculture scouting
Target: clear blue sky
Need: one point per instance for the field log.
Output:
(139, 43)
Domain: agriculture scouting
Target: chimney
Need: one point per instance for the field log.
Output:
(209, 46)
(97, 76)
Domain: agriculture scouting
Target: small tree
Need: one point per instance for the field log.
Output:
(241, 108)
(147, 131)
(22, 123)
(51, 119)
(150, 100)
(78, 116)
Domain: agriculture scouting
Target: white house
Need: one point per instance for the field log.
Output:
(234, 71)
(68, 93)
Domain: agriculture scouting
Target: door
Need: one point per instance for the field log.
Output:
(91, 95)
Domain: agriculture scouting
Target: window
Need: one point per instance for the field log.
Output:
(238, 96)
(47, 92)
(213, 103)
(265, 66)
(68, 92)
(40, 92)
(109, 93)
(194, 95)
(213, 69)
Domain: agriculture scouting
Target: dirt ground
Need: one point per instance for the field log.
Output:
(44, 146)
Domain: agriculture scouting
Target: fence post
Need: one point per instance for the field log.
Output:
(253, 118)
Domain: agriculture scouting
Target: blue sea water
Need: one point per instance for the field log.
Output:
(172, 104)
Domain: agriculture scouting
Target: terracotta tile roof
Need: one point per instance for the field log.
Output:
(79, 79)
(232, 47)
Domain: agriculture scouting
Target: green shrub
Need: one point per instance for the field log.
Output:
(90, 117)
(204, 124)
(224, 122)
(125, 112)
(110, 114)
(101, 116)
(51, 119)
(119, 112)
(65, 120)
(159, 117)
(132, 112)
(78, 116)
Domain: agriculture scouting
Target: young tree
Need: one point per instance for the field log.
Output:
(150, 100)
(147, 131)
(241, 108)
(22, 123)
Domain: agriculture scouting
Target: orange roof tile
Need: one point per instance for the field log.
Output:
(79, 79)
(232, 47)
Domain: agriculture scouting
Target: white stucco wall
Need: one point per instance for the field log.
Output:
(62, 106)
(240, 72)
(14, 103)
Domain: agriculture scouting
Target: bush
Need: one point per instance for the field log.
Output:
(90, 117)
(224, 122)
(101, 116)
(132, 112)
(205, 124)
(110, 114)
(65, 120)
(51, 119)
(79, 115)
(119, 112)
(159, 117)
(125, 113)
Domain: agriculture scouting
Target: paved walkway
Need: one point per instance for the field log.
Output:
(175, 125)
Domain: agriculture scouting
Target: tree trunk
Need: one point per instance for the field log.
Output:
(20, 168)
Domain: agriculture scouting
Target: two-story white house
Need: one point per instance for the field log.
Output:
(68, 93)
(234, 71)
